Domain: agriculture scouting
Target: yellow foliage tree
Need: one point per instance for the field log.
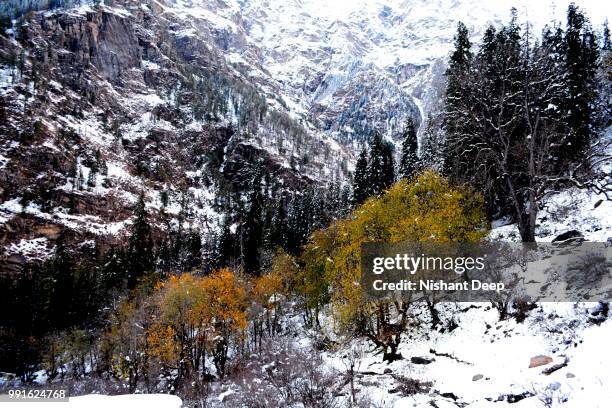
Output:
(227, 298)
(424, 209)
(196, 314)
(264, 294)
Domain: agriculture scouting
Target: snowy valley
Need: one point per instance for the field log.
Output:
(186, 186)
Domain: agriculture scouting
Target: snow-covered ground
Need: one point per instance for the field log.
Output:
(486, 362)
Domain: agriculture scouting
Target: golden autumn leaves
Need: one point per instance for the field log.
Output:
(426, 208)
(206, 314)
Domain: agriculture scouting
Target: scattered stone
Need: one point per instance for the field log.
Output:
(569, 236)
(539, 361)
(477, 377)
(420, 360)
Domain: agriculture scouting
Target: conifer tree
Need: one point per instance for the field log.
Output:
(581, 55)
(252, 228)
(606, 45)
(300, 221)
(381, 172)
(278, 235)
(191, 256)
(140, 244)
(112, 270)
(409, 161)
(431, 147)
(457, 99)
(226, 247)
(360, 179)
(346, 198)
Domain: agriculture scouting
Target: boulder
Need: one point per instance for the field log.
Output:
(540, 360)
(568, 236)
(477, 377)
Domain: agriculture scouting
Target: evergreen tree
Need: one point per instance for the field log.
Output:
(604, 78)
(361, 179)
(409, 161)
(431, 148)
(456, 102)
(581, 55)
(346, 198)
(226, 248)
(252, 228)
(300, 221)
(277, 235)
(191, 254)
(606, 45)
(140, 245)
(388, 165)
(56, 285)
(381, 172)
(112, 270)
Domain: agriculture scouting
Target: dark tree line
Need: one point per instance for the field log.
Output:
(375, 169)
(271, 217)
(520, 114)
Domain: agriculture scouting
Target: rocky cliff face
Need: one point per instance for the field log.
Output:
(100, 103)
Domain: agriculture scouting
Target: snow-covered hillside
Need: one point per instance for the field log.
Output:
(378, 57)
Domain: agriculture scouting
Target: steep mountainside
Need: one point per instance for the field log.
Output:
(182, 98)
(99, 103)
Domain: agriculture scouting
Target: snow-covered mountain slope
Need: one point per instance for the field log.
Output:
(352, 67)
(174, 95)
(101, 103)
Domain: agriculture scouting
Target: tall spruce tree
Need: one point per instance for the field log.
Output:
(409, 161)
(432, 144)
(456, 103)
(277, 235)
(226, 245)
(300, 221)
(381, 171)
(606, 45)
(252, 228)
(581, 55)
(360, 179)
(605, 80)
(140, 245)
